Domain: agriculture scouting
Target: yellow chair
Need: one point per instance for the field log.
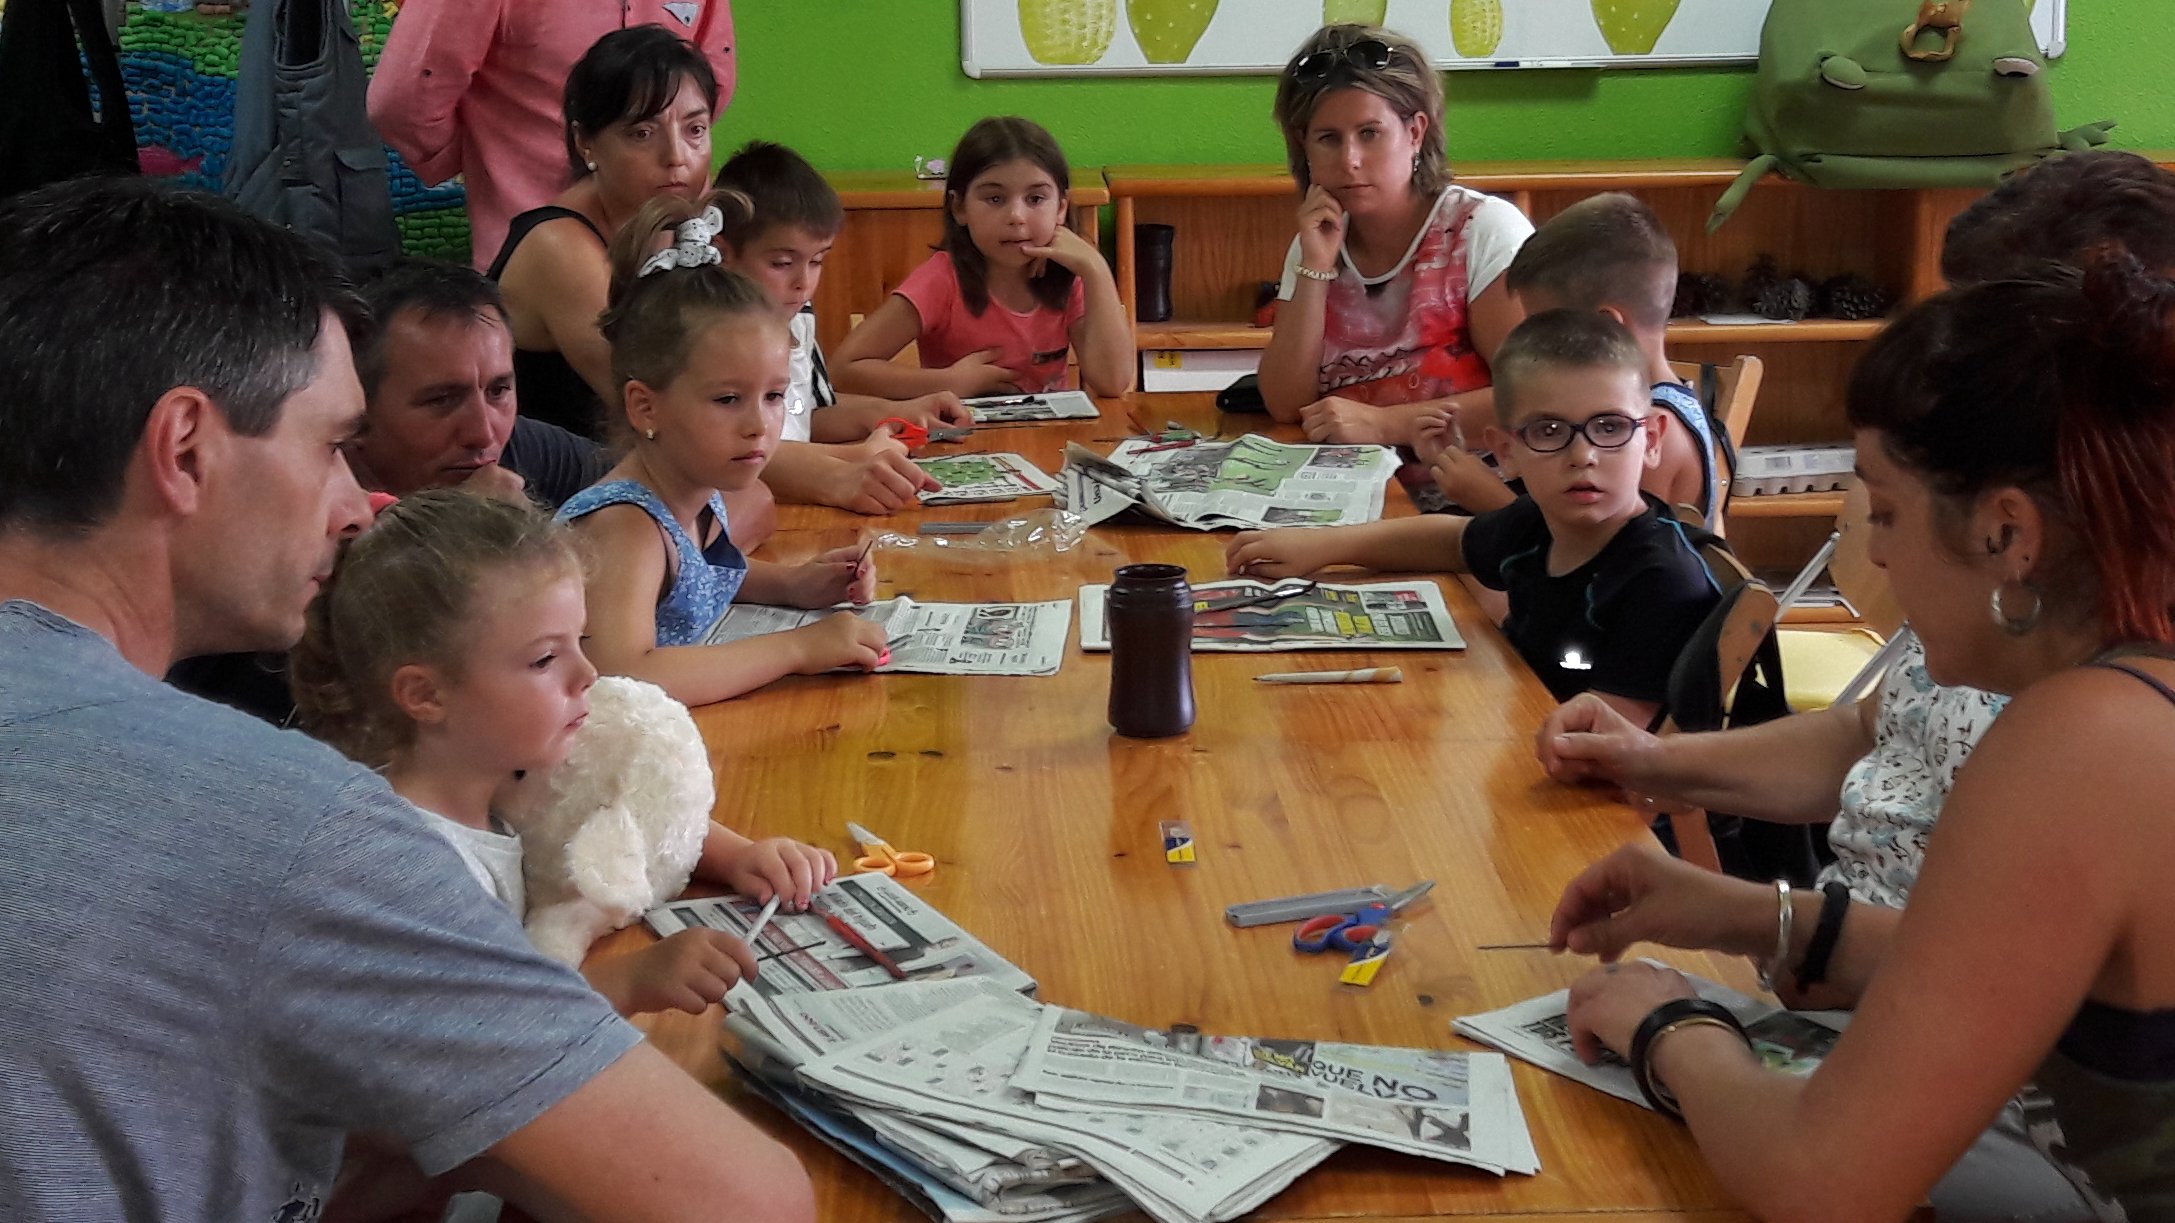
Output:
(1817, 664)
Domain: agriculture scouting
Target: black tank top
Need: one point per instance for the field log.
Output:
(545, 385)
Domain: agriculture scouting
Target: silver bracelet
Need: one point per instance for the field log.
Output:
(1788, 912)
(1311, 274)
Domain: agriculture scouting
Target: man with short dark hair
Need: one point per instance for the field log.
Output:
(437, 370)
(227, 948)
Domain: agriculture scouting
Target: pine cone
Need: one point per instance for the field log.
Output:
(1760, 280)
(1701, 293)
(1851, 296)
(1786, 299)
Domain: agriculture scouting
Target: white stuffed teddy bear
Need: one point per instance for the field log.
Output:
(618, 827)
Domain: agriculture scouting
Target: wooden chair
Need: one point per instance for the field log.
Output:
(1736, 391)
(1748, 613)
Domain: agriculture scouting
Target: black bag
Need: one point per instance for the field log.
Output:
(52, 127)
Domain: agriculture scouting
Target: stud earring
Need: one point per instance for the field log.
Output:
(592, 166)
(650, 434)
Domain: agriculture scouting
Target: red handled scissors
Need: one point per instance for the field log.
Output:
(916, 435)
(1353, 932)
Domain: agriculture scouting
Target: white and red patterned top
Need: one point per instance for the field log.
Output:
(1405, 335)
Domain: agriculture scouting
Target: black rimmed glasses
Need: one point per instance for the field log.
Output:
(1366, 55)
(1607, 431)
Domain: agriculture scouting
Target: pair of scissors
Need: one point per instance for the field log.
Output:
(916, 435)
(1355, 932)
(880, 858)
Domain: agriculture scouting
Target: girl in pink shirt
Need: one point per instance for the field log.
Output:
(1010, 294)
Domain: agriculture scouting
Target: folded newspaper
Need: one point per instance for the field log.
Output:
(1247, 482)
(1251, 616)
(984, 477)
(1539, 1031)
(1455, 1107)
(933, 638)
(1037, 1112)
(805, 951)
(1020, 409)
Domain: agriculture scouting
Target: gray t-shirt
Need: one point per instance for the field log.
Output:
(224, 946)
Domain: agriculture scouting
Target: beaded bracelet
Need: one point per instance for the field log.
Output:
(1311, 274)
(1662, 1020)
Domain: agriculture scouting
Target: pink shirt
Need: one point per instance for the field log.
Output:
(1033, 345)
(477, 88)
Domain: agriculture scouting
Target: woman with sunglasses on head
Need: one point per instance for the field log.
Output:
(2016, 439)
(1393, 298)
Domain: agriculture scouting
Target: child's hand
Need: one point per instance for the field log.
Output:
(1321, 229)
(842, 575)
(1068, 250)
(879, 478)
(978, 373)
(1468, 481)
(1346, 421)
(1287, 553)
(1436, 432)
(840, 640)
(780, 866)
(690, 971)
(941, 410)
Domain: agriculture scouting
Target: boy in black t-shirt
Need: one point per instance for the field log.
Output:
(1604, 588)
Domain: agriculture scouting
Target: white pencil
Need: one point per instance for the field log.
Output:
(762, 919)
(1369, 675)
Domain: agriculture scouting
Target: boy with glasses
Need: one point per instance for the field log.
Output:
(1604, 588)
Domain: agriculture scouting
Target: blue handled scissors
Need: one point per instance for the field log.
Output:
(1353, 932)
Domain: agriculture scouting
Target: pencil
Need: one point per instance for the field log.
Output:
(762, 919)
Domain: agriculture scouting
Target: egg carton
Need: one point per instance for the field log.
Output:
(1765, 471)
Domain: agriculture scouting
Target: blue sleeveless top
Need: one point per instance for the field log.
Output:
(1683, 403)
(706, 579)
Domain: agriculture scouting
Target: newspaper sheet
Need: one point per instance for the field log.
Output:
(1020, 409)
(1246, 482)
(927, 1190)
(1230, 616)
(803, 952)
(957, 1064)
(1539, 1031)
(786, 1030)
(1437, 1105)
(933, 638)
(984, 477)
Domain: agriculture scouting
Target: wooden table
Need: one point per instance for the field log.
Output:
(1045, 827)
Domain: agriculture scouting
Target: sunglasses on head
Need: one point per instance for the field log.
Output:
(1368, 55)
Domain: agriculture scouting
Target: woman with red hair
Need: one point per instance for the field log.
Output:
(2017, 439)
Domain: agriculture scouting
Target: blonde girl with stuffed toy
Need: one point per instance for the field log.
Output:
(446, 652)
(704, 364)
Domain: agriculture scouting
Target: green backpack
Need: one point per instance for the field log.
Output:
(1856, 93)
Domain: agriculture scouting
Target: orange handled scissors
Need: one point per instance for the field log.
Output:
(915, 435)
(884, 860)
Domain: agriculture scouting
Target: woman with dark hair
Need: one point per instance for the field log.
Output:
(476, 90)
(2016, 439)
(1393, 295)
(638, 112)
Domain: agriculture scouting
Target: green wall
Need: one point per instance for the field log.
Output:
(862, 84)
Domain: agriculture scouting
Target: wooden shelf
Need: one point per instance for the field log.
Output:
(1208, 333)
(869, 190)
(1787, 505)
(1810, 331)
(1140, 181)
(1199, 333)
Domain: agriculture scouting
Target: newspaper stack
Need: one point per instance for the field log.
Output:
(1245, 483)
(1539, 1031)
(1254, 617)
(1003, 1107)
(933, 638)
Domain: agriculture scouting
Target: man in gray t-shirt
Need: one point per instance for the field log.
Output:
(226, 949)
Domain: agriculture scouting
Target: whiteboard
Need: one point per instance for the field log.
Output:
(1233, 37)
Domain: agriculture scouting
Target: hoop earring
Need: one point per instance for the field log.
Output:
(2015, 625)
